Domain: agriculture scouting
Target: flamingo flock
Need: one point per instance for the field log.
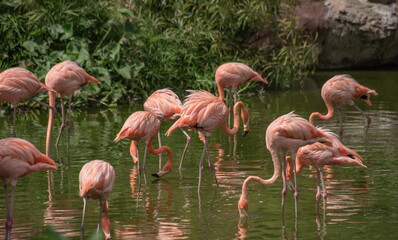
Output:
(201, 111)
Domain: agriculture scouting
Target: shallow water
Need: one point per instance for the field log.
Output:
(362, 203)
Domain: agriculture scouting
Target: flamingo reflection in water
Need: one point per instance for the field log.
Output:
(153, 214)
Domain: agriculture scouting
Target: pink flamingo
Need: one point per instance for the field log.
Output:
(319, 155)
(288, 132)
(166, 105)
(65, 78)
(17, 84)
(343, 89)
(144, 126)
(18, 158)
(232, 75)
(204, 112)
(96, 181)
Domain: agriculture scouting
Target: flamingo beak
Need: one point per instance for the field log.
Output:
(160, 174)
(243, 213)
(245, 132)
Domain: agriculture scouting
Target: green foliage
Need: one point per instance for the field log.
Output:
(137, 46)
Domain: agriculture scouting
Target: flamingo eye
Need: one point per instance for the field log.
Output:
(365, 97)
(351, 156)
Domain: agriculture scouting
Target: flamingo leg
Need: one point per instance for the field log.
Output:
(235, 95)
(230, 106)
(296, 190)
(340, 120)
(44, 104)
(10, 210)
(161, 154)
(63, 122)
(101, 202)
(14, 122)
(201, 162)
(83, 217)
(324, 192)
(365, 115)
(284, 187)
(145, 152)
(8, 214)
(186, 146)
(69, 118)
(318, 187)
(211, 166)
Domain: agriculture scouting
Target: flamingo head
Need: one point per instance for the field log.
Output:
(258, 78)
(243, 206)
(245, 119)
(348, 157)
(366, 96)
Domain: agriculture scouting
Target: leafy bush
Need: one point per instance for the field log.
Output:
(137, 46)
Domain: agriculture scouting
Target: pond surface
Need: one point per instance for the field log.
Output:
(362, 203)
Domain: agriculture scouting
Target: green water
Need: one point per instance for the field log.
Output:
(362, 203)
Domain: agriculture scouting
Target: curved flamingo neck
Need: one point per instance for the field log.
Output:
(51, 114)
(105, 223)
(330, 108)
(169, 164)
(221, 93)
(243, 203)
(244, 115)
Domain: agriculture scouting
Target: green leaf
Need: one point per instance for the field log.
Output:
(30, 46)
(124, 72)
(68, 31)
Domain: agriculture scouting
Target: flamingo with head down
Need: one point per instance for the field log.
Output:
(18, 84)
(144, 126)
(18, 158)
(165, 104)
(288, 132)
(343, 89)
(65, 78)
(204, 112)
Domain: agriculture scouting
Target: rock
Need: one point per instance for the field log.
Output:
(354, 33)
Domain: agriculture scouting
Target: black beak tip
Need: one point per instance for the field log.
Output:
(155, 175)
(245, 133)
